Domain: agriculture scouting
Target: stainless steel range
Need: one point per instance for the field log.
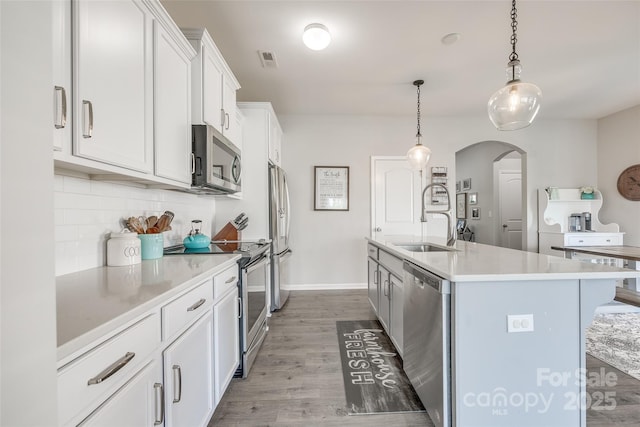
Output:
(253, 288)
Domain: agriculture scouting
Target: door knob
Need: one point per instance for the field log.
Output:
(378, 229)
(504, 225)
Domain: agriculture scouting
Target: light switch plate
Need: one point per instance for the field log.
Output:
(520, 323)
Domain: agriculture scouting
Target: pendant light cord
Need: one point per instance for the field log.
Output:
(418, 83)
(514, 28)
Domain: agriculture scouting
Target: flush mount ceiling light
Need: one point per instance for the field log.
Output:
(316, 36)
(418, 155)
(515, 105)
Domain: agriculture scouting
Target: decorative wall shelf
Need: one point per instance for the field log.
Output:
(438, 176)
(553, 221)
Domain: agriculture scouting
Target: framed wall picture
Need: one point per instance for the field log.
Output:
(331, 188)
(466, 184)
(473, 198)
(475, 213)
(461, 205)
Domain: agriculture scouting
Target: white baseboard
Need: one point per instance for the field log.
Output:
(325, 286)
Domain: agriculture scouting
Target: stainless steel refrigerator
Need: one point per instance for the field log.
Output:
(279, 224)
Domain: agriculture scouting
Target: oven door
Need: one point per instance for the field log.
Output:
(255, 296)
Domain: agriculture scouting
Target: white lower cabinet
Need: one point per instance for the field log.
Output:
(188, 376)
(136, 404)
(385, 290)
(92, 378)
(373, 280)
(226, 341)
(384, 307)
(397, 312)
(168, 367)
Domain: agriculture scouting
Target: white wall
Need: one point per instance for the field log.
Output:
(619, 148)
(330, 246)
(477, 163)
(87, 211)
(28, 381)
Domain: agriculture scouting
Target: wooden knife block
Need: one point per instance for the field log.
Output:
(228, 232)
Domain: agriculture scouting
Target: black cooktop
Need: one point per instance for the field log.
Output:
(248, 249)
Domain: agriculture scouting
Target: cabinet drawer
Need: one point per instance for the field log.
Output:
(225, 281)
(590, 240)
(101, 370)
(186, 309)
(391, 262)
(372, 251)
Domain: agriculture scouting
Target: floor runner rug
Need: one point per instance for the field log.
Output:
(615, 339)
(374, 381)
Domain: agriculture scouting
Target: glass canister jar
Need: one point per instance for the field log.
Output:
(123, 248)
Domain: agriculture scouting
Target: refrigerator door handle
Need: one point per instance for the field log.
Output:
(285, 190)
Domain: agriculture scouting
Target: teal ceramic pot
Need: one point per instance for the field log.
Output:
(587, 196)
(152, 245)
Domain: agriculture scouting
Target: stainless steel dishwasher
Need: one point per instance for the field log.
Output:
(427, 340)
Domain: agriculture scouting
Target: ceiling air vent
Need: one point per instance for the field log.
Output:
(268, 59)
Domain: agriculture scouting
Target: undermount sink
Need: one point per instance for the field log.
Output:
(423, 247)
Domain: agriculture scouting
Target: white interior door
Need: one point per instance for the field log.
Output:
(510, 188)
(395, 197)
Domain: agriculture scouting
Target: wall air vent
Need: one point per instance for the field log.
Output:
(268, 59)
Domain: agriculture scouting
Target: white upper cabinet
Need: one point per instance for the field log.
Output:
(113, 78)
(214, 86)
(61, 38)
(172, 102)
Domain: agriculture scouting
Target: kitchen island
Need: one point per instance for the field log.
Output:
(513, 333)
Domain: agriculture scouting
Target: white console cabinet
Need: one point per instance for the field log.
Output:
(553, 222)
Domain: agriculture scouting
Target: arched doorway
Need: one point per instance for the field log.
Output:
(494, 171)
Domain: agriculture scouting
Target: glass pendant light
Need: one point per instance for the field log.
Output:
(418, 155)
(517, 104)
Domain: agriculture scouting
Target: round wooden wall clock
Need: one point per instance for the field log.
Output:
(629, 183)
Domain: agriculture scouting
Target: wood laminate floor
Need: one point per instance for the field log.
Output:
(297, 380)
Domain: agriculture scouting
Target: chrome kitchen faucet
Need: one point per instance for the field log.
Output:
(451, 235)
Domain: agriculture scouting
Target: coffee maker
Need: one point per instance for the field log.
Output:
(580, 221)
(575, 222)
(585, 221)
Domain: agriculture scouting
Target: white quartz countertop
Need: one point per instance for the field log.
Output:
(92, 303)
(475, 262)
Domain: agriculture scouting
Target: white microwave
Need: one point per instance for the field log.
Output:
(216, 162)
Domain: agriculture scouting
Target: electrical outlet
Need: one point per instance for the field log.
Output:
(520, 323)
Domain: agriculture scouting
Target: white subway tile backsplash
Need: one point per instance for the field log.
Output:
(76, 185)
(58, 183)
(87, 211)
(66, 233)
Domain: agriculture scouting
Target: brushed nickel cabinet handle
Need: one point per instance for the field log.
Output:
(112, 369)
(193, 163)
(222, 118)
(177, 370)
(197, 304)
(63, 108)
(240, 308)
(89, 123)
(159, 389)
(230, 280)
(227, 120)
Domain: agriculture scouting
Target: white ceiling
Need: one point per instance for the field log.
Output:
(584, 55)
